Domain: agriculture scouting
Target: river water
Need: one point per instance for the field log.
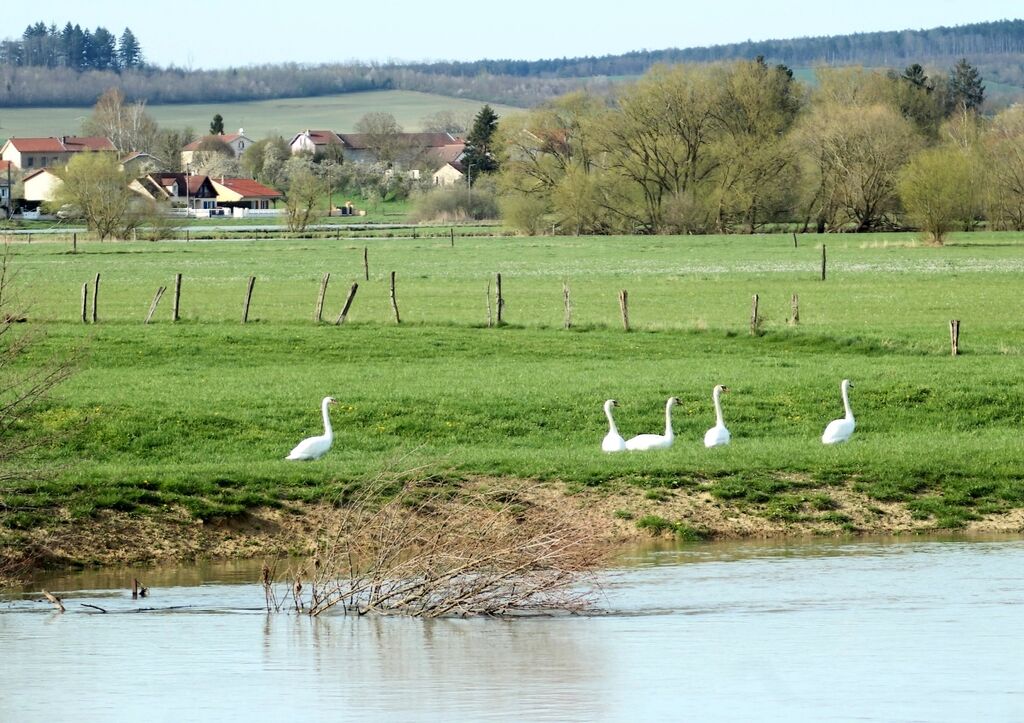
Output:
(919, 630)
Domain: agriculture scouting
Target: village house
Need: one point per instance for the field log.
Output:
(29, 154)
(237, 142)
(6, 182)
(244, 193)
(450, 174)
(180, 190)
(359, 148)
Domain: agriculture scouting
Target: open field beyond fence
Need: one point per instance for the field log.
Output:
(201, 412)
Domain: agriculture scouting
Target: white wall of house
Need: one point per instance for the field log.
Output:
(448, 175)
(42, 187)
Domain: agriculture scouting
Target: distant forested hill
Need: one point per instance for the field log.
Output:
(995, 48)
(895, 48)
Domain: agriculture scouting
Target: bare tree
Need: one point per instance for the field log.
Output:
(383, 136)
(127, 125)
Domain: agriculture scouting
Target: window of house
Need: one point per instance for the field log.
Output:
(30, 161)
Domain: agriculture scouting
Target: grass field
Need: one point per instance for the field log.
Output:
(283, 116)
(201, 413)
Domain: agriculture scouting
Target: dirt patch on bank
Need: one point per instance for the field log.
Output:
(612, 513)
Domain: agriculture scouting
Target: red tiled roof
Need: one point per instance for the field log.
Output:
(227, 138)
(248, 188)
(321, 138)
(88, 143)
(4, 165)
(65, 144)
(38, 145)
(451, 152)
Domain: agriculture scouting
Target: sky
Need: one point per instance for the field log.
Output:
(193, 34)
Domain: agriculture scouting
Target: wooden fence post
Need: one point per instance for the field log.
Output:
(500, 304)
(755, 320)
(794, 305)
(568, 306)
(394, 301)
(319, 311)
(795, 244)
(177, 298)
(452, 231)
(490, 320)
(366, 262)
(156, 300)
(95, 299)
(823, 262)
(624, 308)
(85, 302)
(248, 299)
(74, 243)
(348, 304)
(954, 335)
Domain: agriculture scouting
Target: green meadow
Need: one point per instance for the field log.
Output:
(282, 116)
(201, 413)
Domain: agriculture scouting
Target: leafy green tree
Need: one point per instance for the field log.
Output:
(217, 125)
(1003, 154)
(852, 157)
(304, 190)
(479, 153)
(95, 185)
(936, 188)
(965, 87)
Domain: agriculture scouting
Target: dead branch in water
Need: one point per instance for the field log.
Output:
(430, 551)
(54, 600)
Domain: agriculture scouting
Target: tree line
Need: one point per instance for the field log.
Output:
(995, 49)
(44, 46)
(744, 147)
(884, 48)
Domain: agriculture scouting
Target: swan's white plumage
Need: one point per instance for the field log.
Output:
(840, 430)
(717, 435)
(316, 447)
(613, 441)
(644, 442)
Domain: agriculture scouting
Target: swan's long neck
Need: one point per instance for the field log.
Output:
(328, 431)
(668, 419)
(846, 401)
(612, 429)
(717, 395)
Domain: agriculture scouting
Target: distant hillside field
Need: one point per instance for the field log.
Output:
(284, 116)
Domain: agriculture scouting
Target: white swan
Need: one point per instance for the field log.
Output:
(718, 434)
(839, 430)
(316, 447)
(643, 442)
(613, 441)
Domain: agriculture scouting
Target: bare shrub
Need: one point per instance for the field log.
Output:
(432, 551)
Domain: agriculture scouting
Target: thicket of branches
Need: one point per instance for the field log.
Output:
(432, 552)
